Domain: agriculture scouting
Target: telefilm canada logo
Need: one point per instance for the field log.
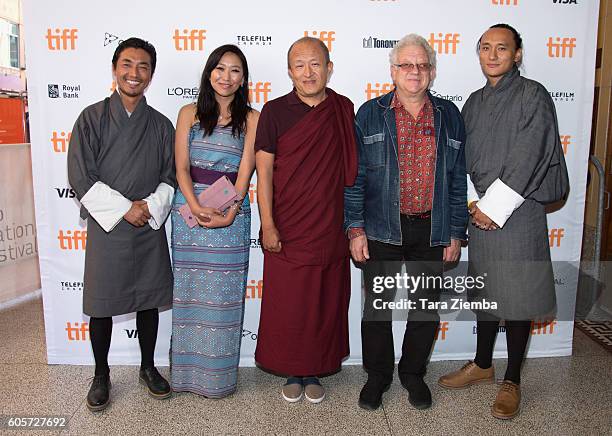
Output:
(56, 90)
(562, 95)
(256, 40)
(373, 42)
(71, 286)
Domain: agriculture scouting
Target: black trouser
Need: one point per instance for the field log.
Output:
(517, 336)
(377, 336)
(101, 330)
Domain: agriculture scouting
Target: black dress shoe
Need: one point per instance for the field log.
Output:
(98, 396)
(370, 397)
(158, 386)
(419, 394)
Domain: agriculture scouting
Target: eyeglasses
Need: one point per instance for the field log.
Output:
(408, 68)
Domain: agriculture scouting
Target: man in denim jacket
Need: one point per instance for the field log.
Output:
(409, 203)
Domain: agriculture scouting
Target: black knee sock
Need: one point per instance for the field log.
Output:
(517, 335)
(485, 340)
(100, 332)
(147, 322)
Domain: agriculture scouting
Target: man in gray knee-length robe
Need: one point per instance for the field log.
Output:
(516, 163)
(121, 166)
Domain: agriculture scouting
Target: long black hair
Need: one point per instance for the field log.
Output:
(207, 109)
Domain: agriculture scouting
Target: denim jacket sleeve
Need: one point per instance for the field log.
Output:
(458, 185)
(354, 196)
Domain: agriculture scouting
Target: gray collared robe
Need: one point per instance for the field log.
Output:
(512, 135)
(128, 268)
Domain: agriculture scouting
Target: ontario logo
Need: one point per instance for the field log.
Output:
(448, 97)
(109, 39)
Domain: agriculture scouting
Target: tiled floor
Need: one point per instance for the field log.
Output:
(561, 396)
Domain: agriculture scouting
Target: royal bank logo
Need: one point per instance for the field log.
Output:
(253, 40)
(562, 96)
(372, 42)
(188, 93)
(109, 39)
(70, 286)
(449, 97)
(63, 91)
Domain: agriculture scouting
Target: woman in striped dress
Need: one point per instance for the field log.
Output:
(214, 138)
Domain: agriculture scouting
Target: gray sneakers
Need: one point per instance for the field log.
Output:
(298, 387)
(293, 390)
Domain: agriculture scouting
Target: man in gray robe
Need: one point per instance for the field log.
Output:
(516, 165)
(121, 166)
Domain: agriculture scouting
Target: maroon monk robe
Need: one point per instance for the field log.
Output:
(303, 327)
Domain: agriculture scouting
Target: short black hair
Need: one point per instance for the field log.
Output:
(136, 43)
(518, 41)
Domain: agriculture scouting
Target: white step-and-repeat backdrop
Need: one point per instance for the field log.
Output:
(69, 46)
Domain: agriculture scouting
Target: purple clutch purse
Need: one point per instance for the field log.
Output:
(220, 195)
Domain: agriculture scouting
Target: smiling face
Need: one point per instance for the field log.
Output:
(498, 53)
(133, 71)
(309, 71)
(228, 76)
(412, 83)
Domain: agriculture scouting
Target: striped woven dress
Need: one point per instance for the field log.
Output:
(210, 272)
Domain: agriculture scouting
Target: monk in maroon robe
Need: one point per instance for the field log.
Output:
(306, 155)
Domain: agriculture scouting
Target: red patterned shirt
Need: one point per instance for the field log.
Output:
(416, 151)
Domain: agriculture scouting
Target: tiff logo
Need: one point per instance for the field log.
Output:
(252, 193)
(377, 90)
(59, 141)
(441, 331)
(555, 236)
(259, 92)
(543, 327)
(72, 240)
(254, 289)
(444, 43)
(61, 39)
(505, 2)
(190, 40)
(77, 332)
(325, 36)
(566, 140)
(561, 48)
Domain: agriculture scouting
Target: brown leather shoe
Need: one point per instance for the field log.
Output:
(508, 401)
(468, 375)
